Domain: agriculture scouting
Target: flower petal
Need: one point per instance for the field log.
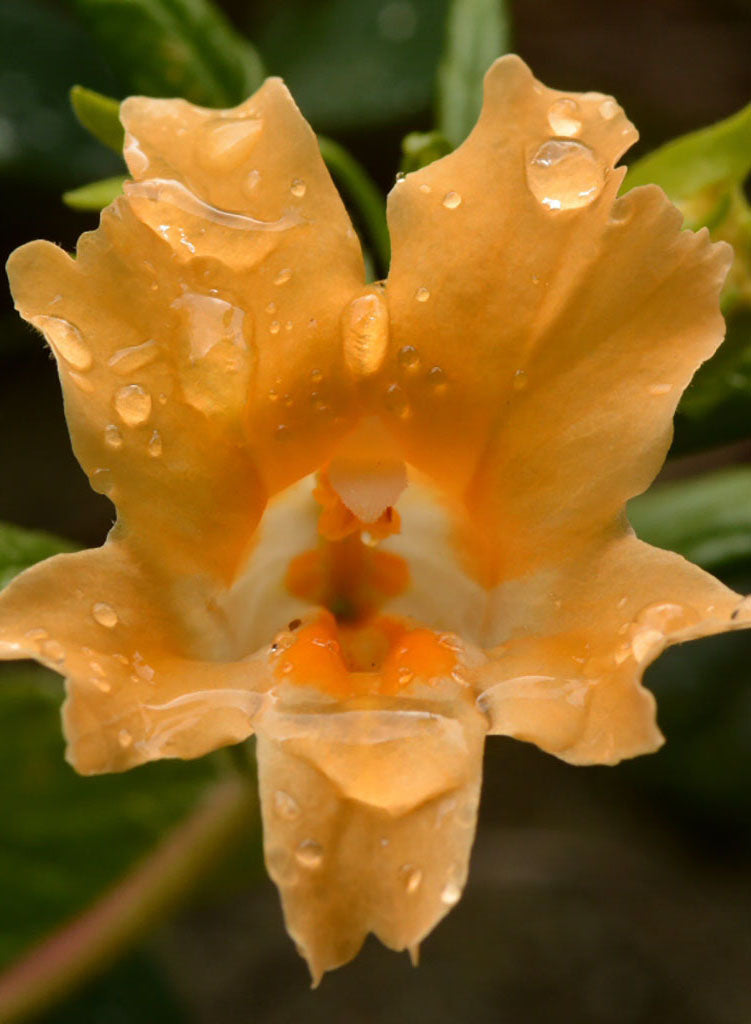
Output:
(369, 818)
(134, 693)
(567, 674)
(542, 330)
(197, 331)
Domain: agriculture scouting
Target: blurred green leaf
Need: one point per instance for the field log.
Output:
(353, 66)
(42, 53)
(421, 148)
(477, 32)
(175, 48)
(718, 154)
(21, 548)
(706, 519)
(95, 196)
(67, 838)
(99, 115)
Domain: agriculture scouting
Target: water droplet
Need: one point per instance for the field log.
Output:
(562, 117)
(271, 308)
(365, 334)
(282, 433)
(564, 174)
(450, 641)
(105, 614)
(309, 854)
(451, 894)
(112, 436)
(283, 276)
(437, 380)
(228, 142)
(422, 294)
(405, 676)
(128, 360)
(520, 380)
(396, 401)
(411, 878)
(316, 376)
(102, 685)
(288, 325)
(425, 188)
(133, 404)
(451, 200)
(252, 179)
(66, 340)
(274, 327)
(298, 188)
(409, 358)
(662, 616)
(143, 669)
(646, 643)
(608, 109)
(154, 446)
(660, 389)
(54, 651)
(286, 806)
(124, 738)
(400, 177)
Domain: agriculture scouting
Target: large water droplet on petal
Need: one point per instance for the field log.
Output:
(309, 854)
(365, 334)
(564, 174)
(133, 404)
(66, 341)
(286, 806)
(104, 614)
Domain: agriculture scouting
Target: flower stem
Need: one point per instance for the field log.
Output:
(92, 941)
(363, 193)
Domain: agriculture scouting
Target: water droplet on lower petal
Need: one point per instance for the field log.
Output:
(564, 174)
(274, 327)
(409, 357)
(155, 445)
(422, 294)
(66, 340)
(104, 614)
(309, 854)
(451, 200)
(124, 738)
(411, 878)
(608, 109)
(112, 436)
(396, 402)
(133, 404)
(53, 650)
(298, 188)
(562, 117)
(283, 276)
(437, 380)
(450, 894)
(520, 380)
(286, 806)
(365, 334)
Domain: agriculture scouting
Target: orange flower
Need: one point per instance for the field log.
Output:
(370, 523)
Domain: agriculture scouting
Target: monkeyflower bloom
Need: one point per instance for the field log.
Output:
(370, 524)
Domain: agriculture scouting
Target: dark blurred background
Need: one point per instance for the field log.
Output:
(608, 896)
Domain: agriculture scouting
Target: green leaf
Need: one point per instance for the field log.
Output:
(99, 115)
(175, 48)
(21, 548)
(706, 519)
(96, 195)
(717, 155)
(477, 32)
(67, 838)
(354, 66)
(421, 148)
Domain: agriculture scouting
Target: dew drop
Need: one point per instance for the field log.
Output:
(274, 327)
(66, 340)
(104, 614)
(562, 117)
(660, 389)
(316, 376)
(411, 878)
(309, 854)
(409, 358)
(154, 446)
(608, 109)
(227, 142)
(271, 308)
(425, 188)
(102, 685)
(133, 404)
(437, 380)
(53, 650)
(112, 436)
(396, 401)
(564, 174)
(520, 380)
(286, 806)
(450, 894)
(298, 188)
(124, 738)
(451, 200)
(283, 276)
(288, 325)
(405, 676)
(365, 327)
(252, 179)
(645, 643)
(662, 616)
(422, 294)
